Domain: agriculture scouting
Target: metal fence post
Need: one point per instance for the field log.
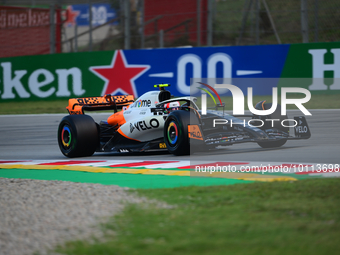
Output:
(127, 25)
(271, 21)
(246, 10)
(161, 38)
(304, 21)
(75, 37)
(90, 25)
(52, 29)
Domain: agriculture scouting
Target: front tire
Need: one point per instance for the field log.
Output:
(268, 125)
(176, 135)
(78, 136)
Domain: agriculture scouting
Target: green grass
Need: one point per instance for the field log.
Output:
(228, 16)
(300, 217)
(59, 106)
(34, 107)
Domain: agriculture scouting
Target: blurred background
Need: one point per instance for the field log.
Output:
(32, 27)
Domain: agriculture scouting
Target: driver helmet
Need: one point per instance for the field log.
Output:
(172, 105)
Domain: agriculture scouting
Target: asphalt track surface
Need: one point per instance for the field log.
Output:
(34, 137)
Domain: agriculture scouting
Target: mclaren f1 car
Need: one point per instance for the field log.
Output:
(158, 121)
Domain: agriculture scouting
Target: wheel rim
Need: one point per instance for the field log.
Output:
(172, 133)
(66, 137)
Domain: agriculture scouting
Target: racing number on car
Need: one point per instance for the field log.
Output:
(194, 132)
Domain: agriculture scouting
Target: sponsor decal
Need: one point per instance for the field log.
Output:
(131, 128)
(66, 136)
(70, 16)
(194, 132)
(157, 111)
(162, 146)
(120, 76)
(143, 103)
(319, 68)
(39, 81)
(172, 133)
(24, 18)
(89, 100)
(142, 125)
(224, 139)
(301, 129)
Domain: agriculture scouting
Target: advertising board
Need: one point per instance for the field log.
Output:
(136, 71)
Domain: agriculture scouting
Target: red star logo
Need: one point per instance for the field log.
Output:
(70, 16)
(119, 76)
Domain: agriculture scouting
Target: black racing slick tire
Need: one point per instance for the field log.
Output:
(176, 135)
(277, 125)
(78, 136)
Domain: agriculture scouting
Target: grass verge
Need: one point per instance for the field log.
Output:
(300, 217)
(59, 106)
(34, 107)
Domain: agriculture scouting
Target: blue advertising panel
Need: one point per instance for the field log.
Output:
(101, 13)
(135, 72)
(235, 64)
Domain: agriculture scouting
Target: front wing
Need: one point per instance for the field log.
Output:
(196, 135)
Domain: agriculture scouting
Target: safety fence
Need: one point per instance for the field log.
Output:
(29, 27)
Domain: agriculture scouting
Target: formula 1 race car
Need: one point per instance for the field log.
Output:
(157, 121)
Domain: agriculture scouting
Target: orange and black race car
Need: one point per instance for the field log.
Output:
(156, 121)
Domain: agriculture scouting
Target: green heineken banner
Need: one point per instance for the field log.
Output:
(317, 63)
(50, 76)
(136, 71)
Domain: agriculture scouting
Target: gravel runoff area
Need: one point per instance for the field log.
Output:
(36, 215)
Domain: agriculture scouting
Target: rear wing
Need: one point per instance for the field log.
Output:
(107, 102)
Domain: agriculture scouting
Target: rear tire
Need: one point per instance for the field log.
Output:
(176, 135)
(277, 125)
(78, 136)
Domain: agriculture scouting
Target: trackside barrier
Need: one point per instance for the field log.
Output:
(136, 71)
